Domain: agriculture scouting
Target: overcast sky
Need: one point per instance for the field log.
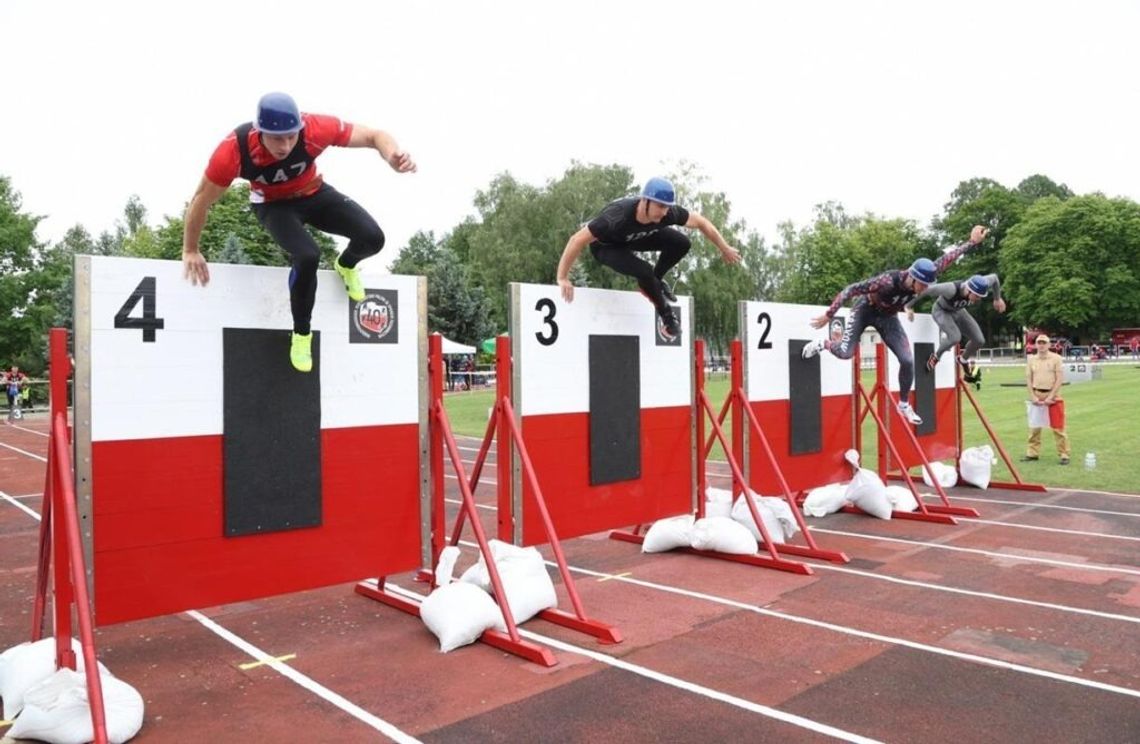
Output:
(883, 106)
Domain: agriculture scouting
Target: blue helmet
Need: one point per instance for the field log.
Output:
(979, 285)
(277, 113)
(922, 270)
(660, 191)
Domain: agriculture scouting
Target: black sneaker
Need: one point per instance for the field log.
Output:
(667, 290)
(672, 326)
(1027, 458)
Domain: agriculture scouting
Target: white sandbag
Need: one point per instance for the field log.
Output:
(946, 474)
(723, 535)
(776, 514)
(901, 499)
(446, 565)
(976, 465)
(1037, 414)
(525, 579)
(458, 613)
(866, 491)
(57, 710)
(718, 502)
(668, 534)
(25, 665)
(825, 500)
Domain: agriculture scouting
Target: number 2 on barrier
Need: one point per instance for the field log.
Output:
(547, 304)
(765, 321)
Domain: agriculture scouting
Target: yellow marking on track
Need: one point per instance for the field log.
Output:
(254, 664)
(616, 576)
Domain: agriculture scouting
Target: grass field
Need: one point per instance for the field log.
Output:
(1103, 417)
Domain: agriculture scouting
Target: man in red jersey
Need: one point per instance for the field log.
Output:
(277, 154)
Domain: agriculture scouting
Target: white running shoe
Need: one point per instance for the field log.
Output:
(812, 349)
(909, 414)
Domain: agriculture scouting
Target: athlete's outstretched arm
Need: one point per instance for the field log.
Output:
(383, 143)
(865, 287)
(942, 289)
(977, 235)
(574, 247)
(194, 265)
(708, 229)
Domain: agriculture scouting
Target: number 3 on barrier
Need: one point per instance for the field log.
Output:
(149, 322)
(547, 305)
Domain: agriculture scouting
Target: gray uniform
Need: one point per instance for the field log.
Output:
(951, 301)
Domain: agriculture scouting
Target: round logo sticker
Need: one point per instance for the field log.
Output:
(374, 316)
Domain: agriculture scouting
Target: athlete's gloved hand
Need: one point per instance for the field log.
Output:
(999, 305)
(978, 234)
(910, 314)
(820, 322)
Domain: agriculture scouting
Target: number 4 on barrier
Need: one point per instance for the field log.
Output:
(149, 322)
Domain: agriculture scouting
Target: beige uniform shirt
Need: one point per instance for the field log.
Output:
(1043, 371)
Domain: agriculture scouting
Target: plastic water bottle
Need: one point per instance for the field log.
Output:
(1090, 461)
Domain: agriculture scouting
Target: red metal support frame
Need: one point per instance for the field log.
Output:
(442, 439)
(61, 545)
(880, 396)
(739, 485)
(501, 424)
(1018, 484)
(737, 398)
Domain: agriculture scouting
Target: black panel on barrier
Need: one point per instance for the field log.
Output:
(615, 409)
(924, 399)
(804, 398)
(271, 434)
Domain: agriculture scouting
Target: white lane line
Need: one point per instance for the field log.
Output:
(680, 684)
(480, 506)
(308, 683)
(1083, 510)
(23, 452)
(31, 431)
(866, 634)
(483, 480)
(972, 593)
(990, 553)
(941, 588)
(973, 520)
(12, 500)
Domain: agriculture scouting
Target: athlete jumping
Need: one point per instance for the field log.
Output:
(949, 312)
(276, 153)
(637, 224)
(877, 304)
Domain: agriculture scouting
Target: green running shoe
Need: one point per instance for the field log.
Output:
(301, 352)
(352, 280)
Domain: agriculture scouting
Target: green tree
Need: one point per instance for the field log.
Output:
(1073, 266)
(23, 287)
(839, 249)
(233, 252)
(57, 266)
(231, 215)
(983, 201)
(456, 307)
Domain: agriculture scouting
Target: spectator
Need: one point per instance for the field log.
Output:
(1044, 377)
(1134, 345)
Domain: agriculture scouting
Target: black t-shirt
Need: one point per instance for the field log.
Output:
(617, 223)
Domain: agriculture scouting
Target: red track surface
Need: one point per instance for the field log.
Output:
(898, 663)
